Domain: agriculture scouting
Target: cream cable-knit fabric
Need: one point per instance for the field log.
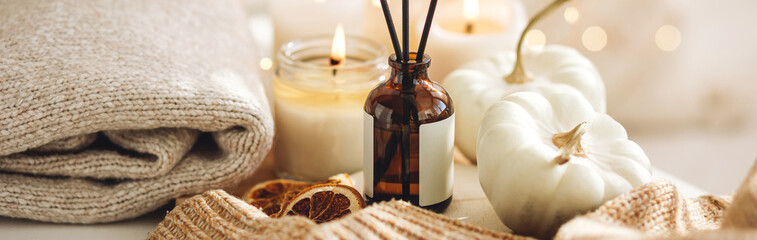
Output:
(652, 211)
(218, 215)
(655, 209)
(111, 108)
(658, 211)
(745, 200)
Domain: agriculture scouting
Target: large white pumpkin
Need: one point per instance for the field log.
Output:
(543, 159)
(479, 84)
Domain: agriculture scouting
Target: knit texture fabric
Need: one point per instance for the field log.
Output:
(218, 215)
(657, 210)
(111, 108)
(653, 211)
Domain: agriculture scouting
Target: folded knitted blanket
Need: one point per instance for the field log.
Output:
(111, 108)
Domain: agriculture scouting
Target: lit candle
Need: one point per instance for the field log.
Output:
(470, 13)
(469, 30)
(319, 88)
(295, 19)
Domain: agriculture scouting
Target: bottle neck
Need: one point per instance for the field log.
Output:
(409, 72)
(399, 75)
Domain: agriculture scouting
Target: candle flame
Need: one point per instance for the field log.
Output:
(338, 47)
(470, 14)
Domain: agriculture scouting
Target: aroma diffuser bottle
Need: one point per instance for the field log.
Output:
(409, 138)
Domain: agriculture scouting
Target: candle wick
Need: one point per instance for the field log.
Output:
(469, 27)
(334, 62)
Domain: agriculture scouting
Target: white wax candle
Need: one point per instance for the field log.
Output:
(319, 107)
(295, 19)
(319, 133)
(497, 28)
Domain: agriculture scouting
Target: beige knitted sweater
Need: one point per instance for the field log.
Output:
(653, 211)
(218, 215)
(111, 108)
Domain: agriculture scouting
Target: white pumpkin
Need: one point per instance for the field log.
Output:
(543, 159)
(477, 85)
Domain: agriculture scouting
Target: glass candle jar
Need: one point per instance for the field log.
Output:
(319, 107)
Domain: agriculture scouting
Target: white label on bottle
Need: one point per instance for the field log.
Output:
(436, 161)
(368, 154)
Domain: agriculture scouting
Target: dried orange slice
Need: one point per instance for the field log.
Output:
(270, 196)
(324, 202)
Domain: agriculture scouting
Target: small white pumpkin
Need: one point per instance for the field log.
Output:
(477, 85)
(543, 159)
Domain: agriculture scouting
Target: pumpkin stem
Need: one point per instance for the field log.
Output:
(519, 74)
(569, 143)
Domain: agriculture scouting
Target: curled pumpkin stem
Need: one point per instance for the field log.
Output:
(569, 143)
(519, 74)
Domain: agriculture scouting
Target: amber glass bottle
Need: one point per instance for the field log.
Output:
(409, 132)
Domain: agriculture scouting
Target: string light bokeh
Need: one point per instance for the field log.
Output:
(594, 38)
(571, 15)
(535, 39)
(668, 38)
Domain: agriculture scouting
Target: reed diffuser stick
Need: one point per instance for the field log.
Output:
(407, 94)
(392, 31)
(426, 29)
(406, 29)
